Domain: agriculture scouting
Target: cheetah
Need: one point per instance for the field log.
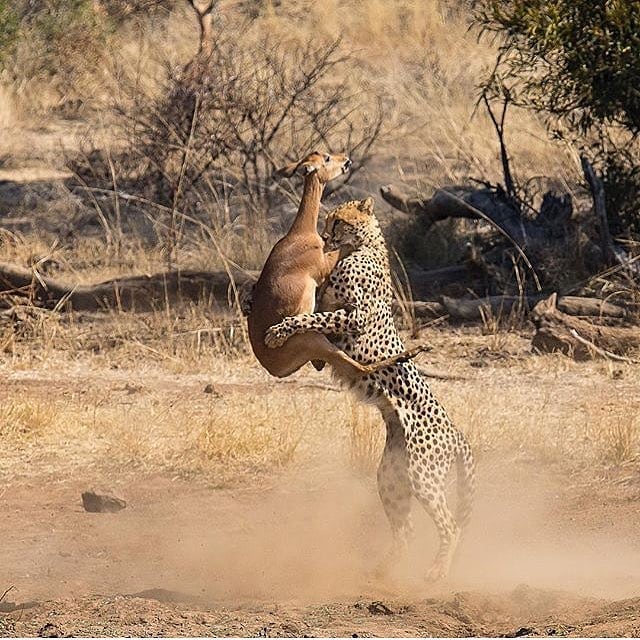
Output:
(421, 442)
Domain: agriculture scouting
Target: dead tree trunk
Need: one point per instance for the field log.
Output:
(475, 308)
(139, 293)
(556, 331)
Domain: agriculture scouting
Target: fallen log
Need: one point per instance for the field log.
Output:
(420, 308)
(557, 331)
(130, 293)
(579, 306)
(473, 309)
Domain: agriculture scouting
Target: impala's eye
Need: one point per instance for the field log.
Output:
(327, 158)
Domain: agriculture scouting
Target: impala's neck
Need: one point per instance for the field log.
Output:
(307, 218)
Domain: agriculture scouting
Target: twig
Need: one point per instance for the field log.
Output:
(151, 350)
(435, 321)
(404, 296)
(116, 204)
(437, 375)
(599, 350)
(504, 156)
(175, 235)
(311, 385)
(108, 233)
(508, 236)
(6, 592)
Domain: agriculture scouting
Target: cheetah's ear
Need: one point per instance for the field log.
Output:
(366, 205)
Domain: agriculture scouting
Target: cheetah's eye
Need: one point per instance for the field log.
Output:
(327, 158)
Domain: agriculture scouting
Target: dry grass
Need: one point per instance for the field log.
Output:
(150, 419)
(553, 416)
(132, 386)
(255, 439)
(135, 428)
(366, 437)
(138, 402)
(25, 420)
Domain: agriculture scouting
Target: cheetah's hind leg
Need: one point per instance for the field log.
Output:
(395, 494)
(429, 465)
(448, 534)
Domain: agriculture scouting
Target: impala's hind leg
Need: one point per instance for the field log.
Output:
(347, 321)
(316, 348)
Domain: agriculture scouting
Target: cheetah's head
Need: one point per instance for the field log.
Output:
(349, 224)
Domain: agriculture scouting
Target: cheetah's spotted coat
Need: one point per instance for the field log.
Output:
(421, 442)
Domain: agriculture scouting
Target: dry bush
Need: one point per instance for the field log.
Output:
(55, 52)
(616, 435)
(198, 158)
(59, 44)
(27, 325)
(416, 57)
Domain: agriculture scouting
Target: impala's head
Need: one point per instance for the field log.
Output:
(350, 225)
(325, 165)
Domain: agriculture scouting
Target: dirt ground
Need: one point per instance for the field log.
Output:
(550, 551)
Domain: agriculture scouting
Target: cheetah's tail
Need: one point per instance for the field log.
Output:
(466, 470)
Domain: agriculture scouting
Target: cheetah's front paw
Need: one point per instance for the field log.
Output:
(276, 336)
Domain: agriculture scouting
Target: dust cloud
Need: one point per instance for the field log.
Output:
(324, 538)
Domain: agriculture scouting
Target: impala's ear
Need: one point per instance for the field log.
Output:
(287, 171)
(366, 205)
(552, 301)
(306, 168)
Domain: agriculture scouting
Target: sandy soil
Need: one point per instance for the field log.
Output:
(546, 554)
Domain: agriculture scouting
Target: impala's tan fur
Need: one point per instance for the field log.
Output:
(295, 268)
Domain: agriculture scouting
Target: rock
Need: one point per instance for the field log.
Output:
(101, 503)
(378, 608)
(209, 388)
(50, 630)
